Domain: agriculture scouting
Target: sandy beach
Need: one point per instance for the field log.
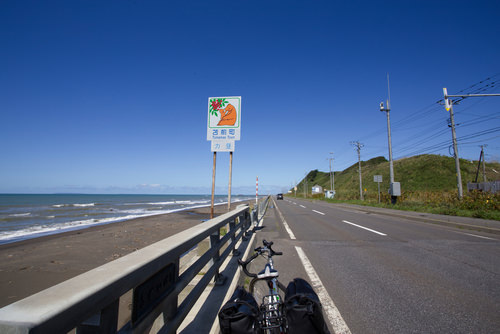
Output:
(33, 265)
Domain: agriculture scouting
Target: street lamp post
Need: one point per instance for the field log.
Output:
(395, 188)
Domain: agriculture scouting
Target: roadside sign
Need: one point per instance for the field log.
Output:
(222, 145)
(378, 179)
(223, 128)
(224, 118)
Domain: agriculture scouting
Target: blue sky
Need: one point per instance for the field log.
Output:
(111, 96)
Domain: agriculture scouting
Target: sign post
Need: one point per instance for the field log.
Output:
(223, 129)
(378, 179)
(257, 190)
(230, 175)
(213, 188)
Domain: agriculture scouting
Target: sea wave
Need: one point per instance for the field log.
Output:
(85, 221)
(20, 214)
(161, 203)
(79, 205)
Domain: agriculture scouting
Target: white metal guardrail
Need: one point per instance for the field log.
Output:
(90, 302)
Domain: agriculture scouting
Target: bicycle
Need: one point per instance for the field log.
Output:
(272, 319)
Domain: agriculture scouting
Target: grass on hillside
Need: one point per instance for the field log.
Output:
(428, 184)
(474, 204)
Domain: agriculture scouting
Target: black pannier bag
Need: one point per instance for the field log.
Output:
(239, 314)
(303, 309)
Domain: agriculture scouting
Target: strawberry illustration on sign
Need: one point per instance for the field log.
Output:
(215, 104)
(224, 114)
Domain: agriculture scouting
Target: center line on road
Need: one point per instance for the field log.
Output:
(302, 206)
(365, 228)
(321, 213)
(332, 312)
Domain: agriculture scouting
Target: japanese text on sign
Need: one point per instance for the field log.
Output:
(222, 145)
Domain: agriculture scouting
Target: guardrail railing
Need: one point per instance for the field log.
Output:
(90, 301)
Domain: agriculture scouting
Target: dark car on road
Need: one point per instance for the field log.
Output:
(279, 196)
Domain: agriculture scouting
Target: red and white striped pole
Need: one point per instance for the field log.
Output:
(257, 190)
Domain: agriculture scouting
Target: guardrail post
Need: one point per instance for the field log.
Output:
(214, 243)
(254, 217)
(171, 310)
(106, 321)
(232, 227)
(247, 223)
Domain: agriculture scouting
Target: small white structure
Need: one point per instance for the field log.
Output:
(317, 189)
(329, 193)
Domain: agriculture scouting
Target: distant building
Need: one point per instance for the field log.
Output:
(316, 189)
(329, 193)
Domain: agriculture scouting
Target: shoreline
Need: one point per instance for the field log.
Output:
(32, 265)
(56, 231)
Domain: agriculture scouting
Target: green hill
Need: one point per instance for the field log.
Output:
(423, 173)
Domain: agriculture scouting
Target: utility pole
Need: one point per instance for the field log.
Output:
(332, 186)
(484, 168)
(395, 188)
(448, 104)
(449, 107)
(358, 148)
(304, 185)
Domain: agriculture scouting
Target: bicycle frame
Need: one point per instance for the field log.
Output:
(272, 319)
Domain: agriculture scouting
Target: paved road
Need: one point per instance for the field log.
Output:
(390, 275)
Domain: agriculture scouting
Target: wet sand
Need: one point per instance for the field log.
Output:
(30, 266)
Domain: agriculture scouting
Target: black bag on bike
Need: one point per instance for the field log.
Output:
(303, 309)
(239, 314)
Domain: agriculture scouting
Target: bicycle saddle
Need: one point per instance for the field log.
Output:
(268, 273)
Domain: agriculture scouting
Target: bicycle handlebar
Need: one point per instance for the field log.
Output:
(258, 251)
(244, 264)
(268, 245)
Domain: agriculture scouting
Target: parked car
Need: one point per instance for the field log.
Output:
(279, 196)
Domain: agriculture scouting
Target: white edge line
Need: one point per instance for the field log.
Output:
(321, 213)
(332, 312)
(477, 236)
(365, 228)
(287, 228)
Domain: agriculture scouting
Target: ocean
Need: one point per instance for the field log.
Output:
(30, 216)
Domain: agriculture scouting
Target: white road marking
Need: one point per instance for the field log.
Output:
(477, 236)
(287, 228)
(331, 311)
(302, 206)
(365, 228)
(321, 213)
(294, 203)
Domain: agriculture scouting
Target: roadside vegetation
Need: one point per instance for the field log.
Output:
(428, 184)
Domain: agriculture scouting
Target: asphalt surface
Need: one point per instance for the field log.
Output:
(391, 273)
